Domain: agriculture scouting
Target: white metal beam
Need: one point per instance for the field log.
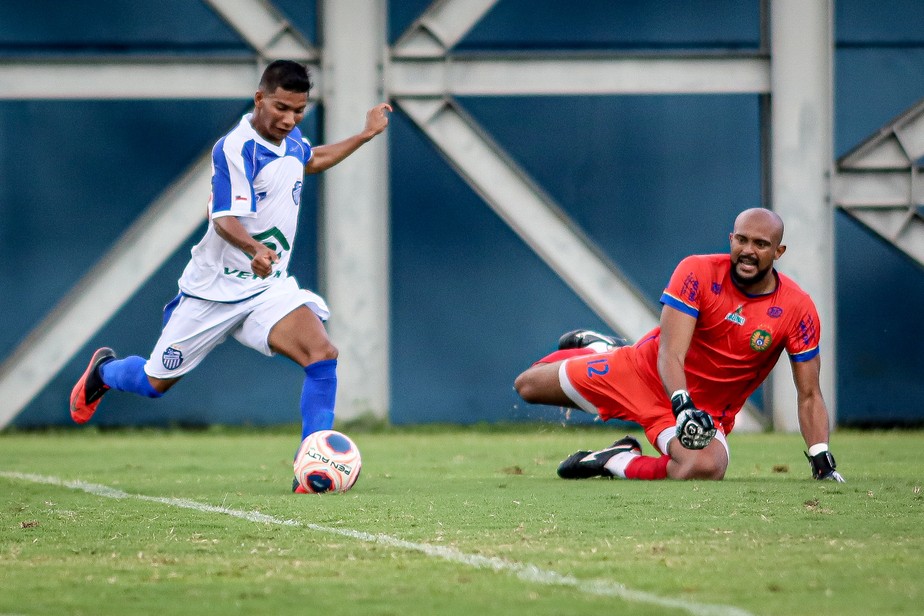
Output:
(569, 74)
(107, 78)
(897, 144)
(880, 184)
(442, 25)
(139, 252)
(265, 29)
(258, 22)
(126, 79)
(903, 228)
(879, 189)
(533, 216)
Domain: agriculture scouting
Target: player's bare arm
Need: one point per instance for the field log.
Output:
(813, 419)
(324, 157)
(230, 229)
(813, 412)
(676, 334)
(695, 427)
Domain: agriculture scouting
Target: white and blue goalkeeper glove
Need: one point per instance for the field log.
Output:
(695, 427)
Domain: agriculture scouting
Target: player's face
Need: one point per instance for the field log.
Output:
(276, 114)
(755, 245)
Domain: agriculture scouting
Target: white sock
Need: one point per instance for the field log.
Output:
(618, 463)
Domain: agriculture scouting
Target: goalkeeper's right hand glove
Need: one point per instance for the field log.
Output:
(823, 466)
(695, 427)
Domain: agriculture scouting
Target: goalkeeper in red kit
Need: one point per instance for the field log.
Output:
(725, 321)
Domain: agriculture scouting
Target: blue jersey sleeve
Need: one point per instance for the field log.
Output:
(232, 178)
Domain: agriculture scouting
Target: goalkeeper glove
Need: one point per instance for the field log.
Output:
(823, 466)
(695, 427)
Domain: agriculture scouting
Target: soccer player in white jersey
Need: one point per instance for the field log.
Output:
(236, 282)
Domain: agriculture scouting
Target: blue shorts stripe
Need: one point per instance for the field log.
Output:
(170, 307)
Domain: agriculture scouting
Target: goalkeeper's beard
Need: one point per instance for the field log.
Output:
(747, 281)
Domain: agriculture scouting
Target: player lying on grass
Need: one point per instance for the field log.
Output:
(725, 321)
(236, 283)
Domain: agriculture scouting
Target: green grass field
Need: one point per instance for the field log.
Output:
(452, 521)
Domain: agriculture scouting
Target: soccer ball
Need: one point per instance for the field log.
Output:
(327, 461)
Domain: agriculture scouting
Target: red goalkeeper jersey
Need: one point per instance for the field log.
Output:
(738, 337)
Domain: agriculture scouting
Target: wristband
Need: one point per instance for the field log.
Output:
(680, 400)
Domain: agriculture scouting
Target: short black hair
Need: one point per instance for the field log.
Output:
(285, 74)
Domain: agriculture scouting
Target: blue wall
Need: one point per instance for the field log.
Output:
(471, 305)
(879, 73)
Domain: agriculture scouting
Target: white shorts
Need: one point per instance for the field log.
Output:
(196, 326)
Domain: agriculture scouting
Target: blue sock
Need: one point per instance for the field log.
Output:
(128, 375)
(318, 395)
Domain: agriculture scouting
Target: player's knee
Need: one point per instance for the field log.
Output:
(324, 352)
(713, 472)
(700, 466)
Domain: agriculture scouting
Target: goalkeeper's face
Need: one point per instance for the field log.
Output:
(755, 245)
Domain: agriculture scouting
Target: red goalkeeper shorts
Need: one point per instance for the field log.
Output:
(609, 385)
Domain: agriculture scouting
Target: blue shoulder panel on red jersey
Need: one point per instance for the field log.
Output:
(805, 355)
(673, 302)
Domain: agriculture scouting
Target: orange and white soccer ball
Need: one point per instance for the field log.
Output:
(327, 461)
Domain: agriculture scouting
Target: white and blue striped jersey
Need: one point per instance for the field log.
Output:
(261, 184)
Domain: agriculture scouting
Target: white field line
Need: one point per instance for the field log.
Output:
(524, 571)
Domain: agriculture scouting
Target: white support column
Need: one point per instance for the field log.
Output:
(801, 58)
(355, 207)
